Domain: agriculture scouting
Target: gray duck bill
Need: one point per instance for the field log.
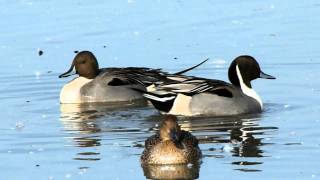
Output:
(266, 76)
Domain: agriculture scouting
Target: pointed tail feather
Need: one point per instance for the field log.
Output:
(191, 68)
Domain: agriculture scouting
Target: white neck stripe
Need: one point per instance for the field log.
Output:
(246, 90)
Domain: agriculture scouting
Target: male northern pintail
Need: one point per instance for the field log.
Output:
(171, 145)
(200, 96)
(107, 84)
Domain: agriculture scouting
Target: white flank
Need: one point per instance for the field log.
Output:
(248, 91)
(181, 105)
(70, 92)
(163, 99)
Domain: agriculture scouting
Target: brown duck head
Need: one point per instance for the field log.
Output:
(169, 129)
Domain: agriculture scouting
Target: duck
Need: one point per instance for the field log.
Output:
(107, 84)
(196, 96)
(171, 145)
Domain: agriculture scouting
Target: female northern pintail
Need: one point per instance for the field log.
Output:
(107, 84)
(200, 96)
(171, 145)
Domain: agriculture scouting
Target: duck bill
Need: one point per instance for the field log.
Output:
(173, 135)
(69, 72)
(266, 76)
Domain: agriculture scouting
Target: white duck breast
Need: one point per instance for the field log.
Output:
(70, 92)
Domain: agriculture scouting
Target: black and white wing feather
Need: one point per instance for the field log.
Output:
(194, 85)
(144, 76)
(135, 75)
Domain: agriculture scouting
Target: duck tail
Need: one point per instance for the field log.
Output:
(162, 102)
(156, 97)
(159, 98)
(191, 68)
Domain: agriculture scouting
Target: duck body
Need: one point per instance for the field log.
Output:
(181, 149)
(169, 152)
(108, 84)
(200, 96)
(208, 103)
(216, 105)
(222, 100)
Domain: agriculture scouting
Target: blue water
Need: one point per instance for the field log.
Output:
(40, 139)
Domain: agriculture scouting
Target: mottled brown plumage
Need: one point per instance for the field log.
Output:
(171, 145)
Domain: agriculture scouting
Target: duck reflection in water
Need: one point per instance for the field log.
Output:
(239, 136)
(171, 153)
(79, 124)
(249, 144)
(85, 124)
(171, 171)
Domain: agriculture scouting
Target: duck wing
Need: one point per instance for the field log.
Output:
(144, 76)
(189, 85)
(133, 76)
(188, 139)
(152, 141)
(164, 95)
(149, 144)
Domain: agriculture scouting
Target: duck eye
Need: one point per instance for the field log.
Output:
(82, 62)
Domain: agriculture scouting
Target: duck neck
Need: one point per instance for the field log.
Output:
(248, 90)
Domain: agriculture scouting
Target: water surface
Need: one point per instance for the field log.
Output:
(41, 139)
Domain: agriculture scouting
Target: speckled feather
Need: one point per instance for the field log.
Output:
(187, 147)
